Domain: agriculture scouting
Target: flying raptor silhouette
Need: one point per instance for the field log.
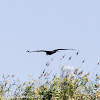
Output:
(49, 52)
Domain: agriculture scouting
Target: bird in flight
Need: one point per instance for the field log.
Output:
(49, 52)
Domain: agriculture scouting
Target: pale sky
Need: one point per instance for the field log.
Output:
(48, 24)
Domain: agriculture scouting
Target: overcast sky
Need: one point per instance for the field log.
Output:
(48, 24)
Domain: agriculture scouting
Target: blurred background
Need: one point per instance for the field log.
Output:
(48, 25)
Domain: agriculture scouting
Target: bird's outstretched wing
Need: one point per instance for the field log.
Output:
(36, 51)
(65, 49)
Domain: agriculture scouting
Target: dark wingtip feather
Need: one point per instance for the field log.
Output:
(28, 51)
(65, 49)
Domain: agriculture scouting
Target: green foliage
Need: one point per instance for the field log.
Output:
(76, 87)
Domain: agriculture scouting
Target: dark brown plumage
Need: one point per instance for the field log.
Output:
(49, 52)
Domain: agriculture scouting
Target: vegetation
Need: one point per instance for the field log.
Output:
(70, 85)
(74, 87)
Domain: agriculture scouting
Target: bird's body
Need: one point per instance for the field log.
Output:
(49, 52)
